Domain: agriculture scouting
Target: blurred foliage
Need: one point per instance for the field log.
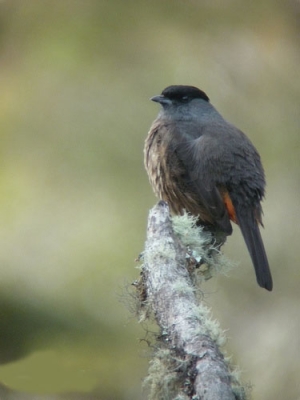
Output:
(76, 77)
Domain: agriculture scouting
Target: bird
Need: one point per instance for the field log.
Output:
(198, 162)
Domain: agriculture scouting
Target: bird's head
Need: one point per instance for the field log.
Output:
(178, 95)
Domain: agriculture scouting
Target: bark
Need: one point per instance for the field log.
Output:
(188, 363)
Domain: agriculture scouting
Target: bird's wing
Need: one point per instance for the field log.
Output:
(201, 158)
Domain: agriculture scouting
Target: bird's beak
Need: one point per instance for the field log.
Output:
(161, 100)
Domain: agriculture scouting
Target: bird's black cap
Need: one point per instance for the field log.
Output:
(179, 92)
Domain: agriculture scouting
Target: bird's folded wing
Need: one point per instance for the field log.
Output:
(198, 159)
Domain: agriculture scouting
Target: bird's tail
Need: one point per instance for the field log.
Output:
(251, 233)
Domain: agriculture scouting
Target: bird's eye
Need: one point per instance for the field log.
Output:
(184, 98)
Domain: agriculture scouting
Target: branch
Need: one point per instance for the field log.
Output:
(188, 363)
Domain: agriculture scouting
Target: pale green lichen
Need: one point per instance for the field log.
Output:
(162, 250)
(167, 378)
(202, 246)
(163, 380)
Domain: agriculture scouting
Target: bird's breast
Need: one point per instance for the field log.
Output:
(154, 160)
(167, 174)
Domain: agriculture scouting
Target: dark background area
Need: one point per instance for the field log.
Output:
(76, 78)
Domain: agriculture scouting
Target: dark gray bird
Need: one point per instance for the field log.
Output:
(199, 162)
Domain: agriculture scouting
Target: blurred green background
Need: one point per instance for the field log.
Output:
(76, 78)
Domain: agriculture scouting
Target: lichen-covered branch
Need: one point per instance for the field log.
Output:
(188, 363)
